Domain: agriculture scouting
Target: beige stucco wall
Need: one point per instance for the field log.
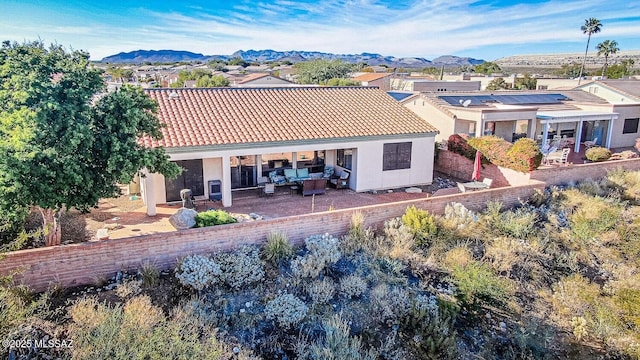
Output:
(441, 121)
(618, 139)
(611, 96)
(369, 174)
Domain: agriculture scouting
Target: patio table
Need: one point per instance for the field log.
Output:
(475, 185)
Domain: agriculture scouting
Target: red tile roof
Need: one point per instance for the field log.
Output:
(225, 116)
(371, 77)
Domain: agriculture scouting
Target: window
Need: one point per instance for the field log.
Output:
(396, 156)
(630, 126)
(345, 158)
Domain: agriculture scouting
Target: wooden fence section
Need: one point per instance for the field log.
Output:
(85, 263)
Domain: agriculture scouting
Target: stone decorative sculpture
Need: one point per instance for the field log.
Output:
(187, 198)
(183, 219)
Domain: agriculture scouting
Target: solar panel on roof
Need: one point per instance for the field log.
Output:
(399, 96)
(514, 99)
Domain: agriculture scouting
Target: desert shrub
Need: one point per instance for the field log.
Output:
(278, 248)
(459, 255)
(241, 267)
(337, 343)
(149, 274)
(214, 217)
(323, 250)
(18, 306)
(128, 289)
(421, 224)
(476, 283)
(358, 236)
(429, 330)
(502, 254)
(629, 181)
(352, 286)
(198, 272)
(389, 304)
(458, 216)
(519, 223)
(586, 225)
(458, 143)
(628, 154)
(598, 154)
(133, 331)
(321, 291)
(287, 310)
(524, 155)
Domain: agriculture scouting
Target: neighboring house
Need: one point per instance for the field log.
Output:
(427, 85)
(623, 97)
(236, 135)
(382, 81)
(557, 83)
(263, 80)
(574, 114)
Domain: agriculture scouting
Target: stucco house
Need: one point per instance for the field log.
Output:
(234, 136)
(575, 115)
(263, 80)
(381, 80)
(623, 97)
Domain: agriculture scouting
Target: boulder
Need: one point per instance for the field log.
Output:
(183, 219)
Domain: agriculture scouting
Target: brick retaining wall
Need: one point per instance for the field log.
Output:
(84, 263)
(574, 173)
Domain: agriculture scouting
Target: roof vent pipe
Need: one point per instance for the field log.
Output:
(173, 95)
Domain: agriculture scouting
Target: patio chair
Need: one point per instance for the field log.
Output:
(269, 189)
(487, 181)
(562, 160)
(590, 144)
(341, 181)
(461, 187)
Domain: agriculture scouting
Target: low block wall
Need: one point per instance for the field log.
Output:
(80, 264)
(574, 173)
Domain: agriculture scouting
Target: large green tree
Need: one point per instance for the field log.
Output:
(497, 84)
(487, 67)
(320, 71)
(591, 26)
(64, 143)
(624, 68)
(606, 48)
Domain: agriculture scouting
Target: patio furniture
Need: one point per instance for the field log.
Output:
(341, 181)
(475, 185)
(269, 189)
(558, 157)
(293, 189)
(314, 187)
(546, 152)
(590, 144)
(276, 178)
(461, 187)
(295, 175)
(487, 181)
(328, 172)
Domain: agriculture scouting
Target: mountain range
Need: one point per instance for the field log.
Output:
(170, 56)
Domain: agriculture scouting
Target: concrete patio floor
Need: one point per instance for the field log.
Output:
(283, 203)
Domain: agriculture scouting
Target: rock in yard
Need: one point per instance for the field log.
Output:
(183, 219)
(413, 190)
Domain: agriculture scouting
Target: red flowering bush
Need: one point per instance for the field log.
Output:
(458, 143)
(523, 156)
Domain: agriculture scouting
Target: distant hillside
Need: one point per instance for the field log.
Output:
(566, 58)
(141, 56)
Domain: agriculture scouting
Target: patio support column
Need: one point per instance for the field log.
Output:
(578, 137)
(226, 181)
(480, 128)
(609, 130)
(531, 127)
(148, 195)
(545, 133)
(294, 160)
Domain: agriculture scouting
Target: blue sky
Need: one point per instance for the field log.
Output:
(482, 29)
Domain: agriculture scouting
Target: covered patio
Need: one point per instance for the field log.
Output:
(575, 127)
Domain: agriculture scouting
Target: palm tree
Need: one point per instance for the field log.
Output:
(591, 26)
(606, 48)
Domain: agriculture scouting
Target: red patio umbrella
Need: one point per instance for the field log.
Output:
(476, 167)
